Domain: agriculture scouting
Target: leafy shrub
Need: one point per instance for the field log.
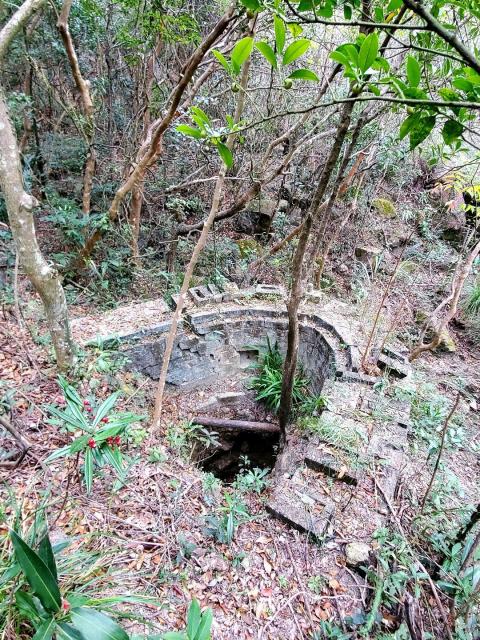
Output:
(268, 382)
(472, 303)
(101, 432)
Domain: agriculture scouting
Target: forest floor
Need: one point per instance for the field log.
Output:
(156, 534)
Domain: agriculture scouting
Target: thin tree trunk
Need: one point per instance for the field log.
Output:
(302, 265)
(20, 206)
(216, 200)
(83, 87)
(440, 451)
(459, 278)
(136, 203)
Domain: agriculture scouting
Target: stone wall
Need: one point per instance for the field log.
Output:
(217, 344)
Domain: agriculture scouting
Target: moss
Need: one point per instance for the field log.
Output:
(248, 247)
(384, 207)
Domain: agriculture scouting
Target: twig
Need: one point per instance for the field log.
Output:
(300, 584)
(440, 450)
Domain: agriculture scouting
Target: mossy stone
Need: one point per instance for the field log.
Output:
(384, 207)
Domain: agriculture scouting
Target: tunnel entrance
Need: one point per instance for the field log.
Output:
(240, 451)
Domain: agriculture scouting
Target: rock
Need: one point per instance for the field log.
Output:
(447, 343)
(230, 397)
(283, 205)
(367, 253)
(384, 207)
(314, 295)
(357, 554)
(353, 376)
(301, 507)
(257, 219)
(343, 269)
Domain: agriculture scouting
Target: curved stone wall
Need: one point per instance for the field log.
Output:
(217, 344)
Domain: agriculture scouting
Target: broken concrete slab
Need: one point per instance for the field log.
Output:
(230, 397)
(352, 376)
(330, 465)
(127, 321)
(301, 508)
(203, 294)
(393, 366)
(270, 290)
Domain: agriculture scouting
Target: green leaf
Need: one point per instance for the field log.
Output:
(240, 53)
(94, 625)
(105, 408)
(45, 552)
(452, 130)
(368, 52)
(187, 130)
(253, 5)
(45, 630)
(463, 84)
(347, 12)
(340, 57)
(408, 124)
(37, 573)
(304, 74)
(267, 52)
(295, 29)
(200, 117)
(421, 131)
(203, 632)
(174, 635)
(193, 618)
(222, 60)
(225, 154)
(394, 5)
(88, 470)
(295, 50)
(413, 71)
(279, 28)
(26, 606)
(67, 632)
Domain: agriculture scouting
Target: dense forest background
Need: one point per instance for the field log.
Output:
(327, 150)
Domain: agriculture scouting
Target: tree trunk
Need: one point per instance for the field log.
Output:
(302, 267)
(83, 87)
(41, 273)
(152, 145)
(461, 274)
(20, 205)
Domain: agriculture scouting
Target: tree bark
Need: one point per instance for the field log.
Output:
(20, 206)
(83, 87)
(303, 265)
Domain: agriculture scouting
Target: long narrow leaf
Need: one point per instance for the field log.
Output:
(45, 630)
(65, 631)
(193, 618)
(88, 470)
(45, 552)
(94, 625)
(37, 573)
(106, 406)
